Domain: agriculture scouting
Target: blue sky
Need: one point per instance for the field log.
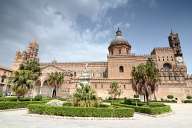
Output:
(81, 30)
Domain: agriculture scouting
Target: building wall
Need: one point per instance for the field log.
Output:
(164, 55)
(127, 62)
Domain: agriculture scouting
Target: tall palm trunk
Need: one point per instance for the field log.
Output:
(146, 93)
(155, 98)
(54, 92)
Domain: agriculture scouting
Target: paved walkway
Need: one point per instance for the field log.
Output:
(181, 118)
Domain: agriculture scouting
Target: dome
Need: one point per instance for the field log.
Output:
(119, 40)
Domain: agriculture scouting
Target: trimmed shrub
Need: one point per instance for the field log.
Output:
(187, 101)
(147, 109)
(38, 98)
(81, 111)
(133, 102)
(19, 104)
(170, 96)
(136, 96)
(10, 98)
(169, 101)
(189, 97)
(160, 110)
(14, 98)
(156, 104)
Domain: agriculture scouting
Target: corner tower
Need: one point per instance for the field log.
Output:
(174, 43)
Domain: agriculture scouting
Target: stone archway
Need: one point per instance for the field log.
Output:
(167, 66)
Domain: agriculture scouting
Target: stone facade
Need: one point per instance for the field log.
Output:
(118, 67)
(4, 75)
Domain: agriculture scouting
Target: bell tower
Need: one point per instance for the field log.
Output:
(174, 43)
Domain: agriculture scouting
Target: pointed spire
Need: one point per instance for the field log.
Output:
(118, 32)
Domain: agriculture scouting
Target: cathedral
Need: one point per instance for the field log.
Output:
(117, 67)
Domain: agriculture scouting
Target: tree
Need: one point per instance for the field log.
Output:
(33, 66)
(21, 82)
(55, 79)
(24, 79)
(85, 96)
(115, 90)
(145, 78)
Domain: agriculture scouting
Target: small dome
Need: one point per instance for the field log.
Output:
(119, 40)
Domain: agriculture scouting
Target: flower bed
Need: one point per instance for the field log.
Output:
(80, 111)
(150, 109)
(20, 104)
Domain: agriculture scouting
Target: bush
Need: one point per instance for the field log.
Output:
(189, 97)
(81, 111)
(187, 101)
(11, 98)
(14, 98)
(110, 98)
(19, 104)
(133, 102)
(136, 96)
(38, 98)
(156, 104)
(170, 96)
(147, 109)
(169, 101)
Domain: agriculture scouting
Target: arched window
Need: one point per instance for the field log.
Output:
(121, 69)
(167, 66)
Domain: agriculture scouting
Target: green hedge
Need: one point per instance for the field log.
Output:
(148, 109)
(80, 111)
(170, 96)
(19, 104)
(14, 98)
(187, 101)
(189, 97)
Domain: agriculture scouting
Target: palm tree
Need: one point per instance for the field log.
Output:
(145, 78)
(85, 96)
(21, 82)
(55, 79)
(115, 90)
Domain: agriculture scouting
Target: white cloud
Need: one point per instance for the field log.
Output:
(55, 26)
(63, 42)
